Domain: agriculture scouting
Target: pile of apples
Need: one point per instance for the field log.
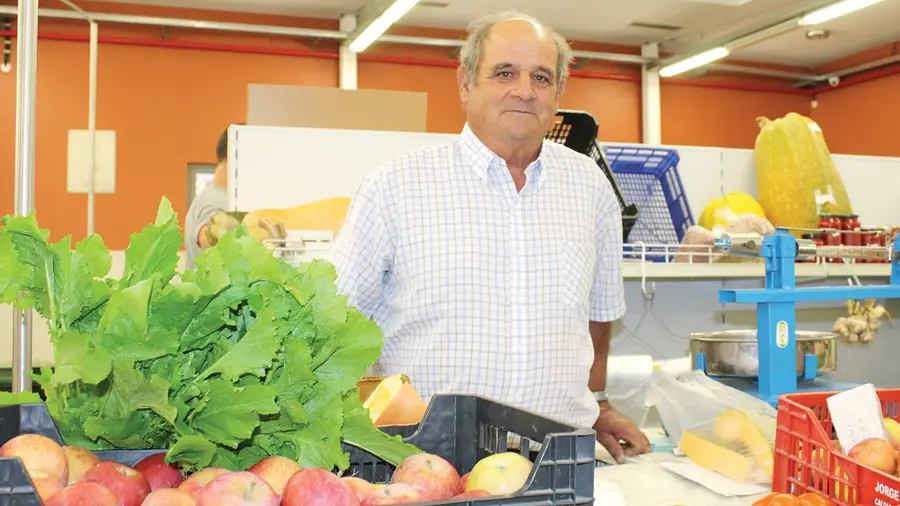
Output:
(73, 476)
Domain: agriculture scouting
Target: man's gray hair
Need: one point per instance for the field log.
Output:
(470, 54)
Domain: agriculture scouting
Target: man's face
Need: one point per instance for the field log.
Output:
(516, 91)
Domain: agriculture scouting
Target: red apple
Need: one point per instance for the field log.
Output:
(169, 497)
(240, 488)
(396, 493)
(317, 487)
(463, 480)
(127, 484)
(434, 476)
(472, 494)
(80, 460)
(40, 455)
(876, 453)
(83, 493)
(158, 473)
(362, 488)
(46, 485)
(276, 471)
(195, 482)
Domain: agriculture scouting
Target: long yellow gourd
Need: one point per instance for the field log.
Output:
(793, 167)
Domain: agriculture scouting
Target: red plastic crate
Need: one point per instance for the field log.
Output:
(804, 422)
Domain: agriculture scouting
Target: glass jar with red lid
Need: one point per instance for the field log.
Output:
(830, 225)
(826, 221)
(851, 230)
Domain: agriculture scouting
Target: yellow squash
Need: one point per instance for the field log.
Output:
(793, 167)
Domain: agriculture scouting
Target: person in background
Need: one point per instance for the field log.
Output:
(493, 263)
(207, 220)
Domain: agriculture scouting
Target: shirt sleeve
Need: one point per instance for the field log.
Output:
(209, 202)
(363, 252)
(608, 293)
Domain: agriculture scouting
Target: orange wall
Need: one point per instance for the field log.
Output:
(169, 105)
(861, 119)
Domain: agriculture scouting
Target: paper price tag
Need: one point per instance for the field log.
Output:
(856, 416)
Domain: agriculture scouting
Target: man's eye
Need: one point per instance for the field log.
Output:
(505, 73)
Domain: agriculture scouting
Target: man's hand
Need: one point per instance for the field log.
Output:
(220, 224)
(613, 427)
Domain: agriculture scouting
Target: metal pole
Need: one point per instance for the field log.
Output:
(92, 126)
(26, 90)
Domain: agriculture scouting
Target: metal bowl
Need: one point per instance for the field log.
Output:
(735, 353)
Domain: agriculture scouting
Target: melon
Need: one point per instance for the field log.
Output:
(395, 402)
(722, 210)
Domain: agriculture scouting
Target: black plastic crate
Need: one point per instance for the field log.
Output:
(462, 429)
(577, 130)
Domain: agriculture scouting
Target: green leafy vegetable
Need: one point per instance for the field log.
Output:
(243, 357)
(11, 399)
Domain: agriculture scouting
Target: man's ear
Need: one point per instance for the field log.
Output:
(561, 88)
(462, 80)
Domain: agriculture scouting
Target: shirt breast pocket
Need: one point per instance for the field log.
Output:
(577, 269)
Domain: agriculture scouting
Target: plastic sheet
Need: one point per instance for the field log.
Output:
(718, 427)
(644, 482)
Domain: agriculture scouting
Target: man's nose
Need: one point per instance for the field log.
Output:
(523, 88)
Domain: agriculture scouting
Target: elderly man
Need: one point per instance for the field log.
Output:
(493, 263)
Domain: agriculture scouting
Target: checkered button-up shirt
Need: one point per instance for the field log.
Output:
(480, 288)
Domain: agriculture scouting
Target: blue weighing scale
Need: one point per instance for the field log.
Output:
(776, 308)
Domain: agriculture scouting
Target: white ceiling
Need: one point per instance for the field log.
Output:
(700, 23)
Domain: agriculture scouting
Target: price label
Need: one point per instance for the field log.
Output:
(781, 334)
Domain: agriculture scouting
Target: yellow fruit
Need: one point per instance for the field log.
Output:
(734, 426)
(499, 474)
(395, 402)
(719, 209)
(327, 214)
(793, 166)
(893, 431)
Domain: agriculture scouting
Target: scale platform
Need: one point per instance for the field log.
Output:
(776, 304)
(816, 385)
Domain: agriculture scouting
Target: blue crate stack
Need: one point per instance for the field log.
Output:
(648, 177)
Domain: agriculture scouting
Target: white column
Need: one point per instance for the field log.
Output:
(26, 93)
(651, 111)
(347, 59)
(92, 123)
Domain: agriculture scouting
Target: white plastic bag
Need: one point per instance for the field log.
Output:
(719, 416)
(695, 246)
(742, 223)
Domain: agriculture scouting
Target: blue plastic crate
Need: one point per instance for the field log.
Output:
(648, 177)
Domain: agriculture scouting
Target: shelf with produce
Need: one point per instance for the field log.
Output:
(705, 262)
(656, 270)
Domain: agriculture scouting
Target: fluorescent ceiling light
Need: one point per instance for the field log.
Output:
(693, 62)
(380, 24)
(835, 10)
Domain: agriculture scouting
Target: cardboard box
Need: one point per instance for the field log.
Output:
(319, 107)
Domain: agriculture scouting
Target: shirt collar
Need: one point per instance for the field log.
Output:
(481, 159)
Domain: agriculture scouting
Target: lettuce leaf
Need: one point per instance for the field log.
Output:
(245, 356)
